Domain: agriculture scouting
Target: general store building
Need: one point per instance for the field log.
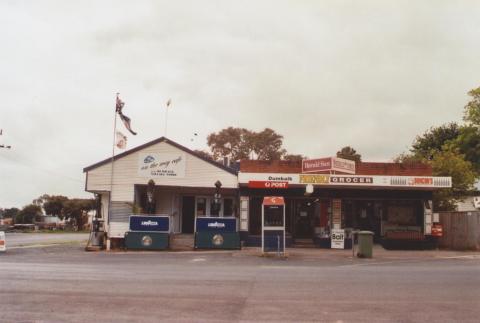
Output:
(389, 199)
(184, 186)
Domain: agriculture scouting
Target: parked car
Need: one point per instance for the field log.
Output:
(3, 242)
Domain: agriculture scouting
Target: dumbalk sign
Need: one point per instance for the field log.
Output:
(328, 164)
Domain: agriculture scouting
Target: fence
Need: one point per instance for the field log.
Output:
(461, 230)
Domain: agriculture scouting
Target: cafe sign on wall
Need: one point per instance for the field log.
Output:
(161, 165)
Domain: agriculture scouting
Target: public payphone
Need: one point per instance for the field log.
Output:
(273, 224)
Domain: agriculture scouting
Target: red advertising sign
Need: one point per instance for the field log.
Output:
(421, 181)
(273, 200)
(328, 164)
(437, 230)
(316, 165)
(267, 184)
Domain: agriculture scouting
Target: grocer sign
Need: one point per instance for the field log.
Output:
(161, 165)
(328, 164)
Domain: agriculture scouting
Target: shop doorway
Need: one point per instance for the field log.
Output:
(304, 215)
(188, 214)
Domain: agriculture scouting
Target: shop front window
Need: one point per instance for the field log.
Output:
(206, 206)
(214, 208)
(201, 206)
(228, 207)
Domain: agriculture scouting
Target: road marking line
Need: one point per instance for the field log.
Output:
(45, 245)
(461, 257)
(197, 259)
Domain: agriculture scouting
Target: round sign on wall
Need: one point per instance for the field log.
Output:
(146, 241)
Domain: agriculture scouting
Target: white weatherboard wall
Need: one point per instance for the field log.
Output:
(198, 173)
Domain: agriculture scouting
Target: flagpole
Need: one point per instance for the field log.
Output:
(166, 114)
(111, 171)
(166, 118)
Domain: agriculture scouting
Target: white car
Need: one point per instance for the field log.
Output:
(3, 242)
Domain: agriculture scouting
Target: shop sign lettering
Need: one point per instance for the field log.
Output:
(314, 179)
(328, 164)
(267, 184)
(351, 180)
(161, 165)
(344, 165)
(420, 181)
(280, 178)
(216, 225)
(337, 238)
(316, 165)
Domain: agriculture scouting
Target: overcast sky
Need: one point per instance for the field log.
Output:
(325, 74)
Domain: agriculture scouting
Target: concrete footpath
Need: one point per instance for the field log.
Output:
(20, 240)
(378, 253)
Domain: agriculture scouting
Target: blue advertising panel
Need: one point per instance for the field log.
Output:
(149, 223)
(205, 224)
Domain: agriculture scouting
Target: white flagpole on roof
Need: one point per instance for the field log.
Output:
(166, 115)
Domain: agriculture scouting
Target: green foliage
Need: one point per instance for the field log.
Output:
(230, 142)
(452, 163)
(348, 152)
(472, 109)
(28, 214)
(434, 139)
(452, 150)
(240, 143)
(10, 213)
(76, 210)
(267, 145)
(54, 204)
(450, 137)
(291, 157)
(468, 144)
(408, 158)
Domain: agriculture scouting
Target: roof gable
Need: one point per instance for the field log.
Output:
(154, 142)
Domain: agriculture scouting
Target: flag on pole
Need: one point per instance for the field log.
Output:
(169, 102)
(121, 140)
(126, 120)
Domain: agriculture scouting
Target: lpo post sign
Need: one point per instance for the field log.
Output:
(337, 238)
(161, 165)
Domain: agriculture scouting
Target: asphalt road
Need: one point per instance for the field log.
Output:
(65, 284)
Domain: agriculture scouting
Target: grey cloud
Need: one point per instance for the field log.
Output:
(370, 74)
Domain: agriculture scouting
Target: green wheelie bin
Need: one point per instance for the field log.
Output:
(365, 244)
